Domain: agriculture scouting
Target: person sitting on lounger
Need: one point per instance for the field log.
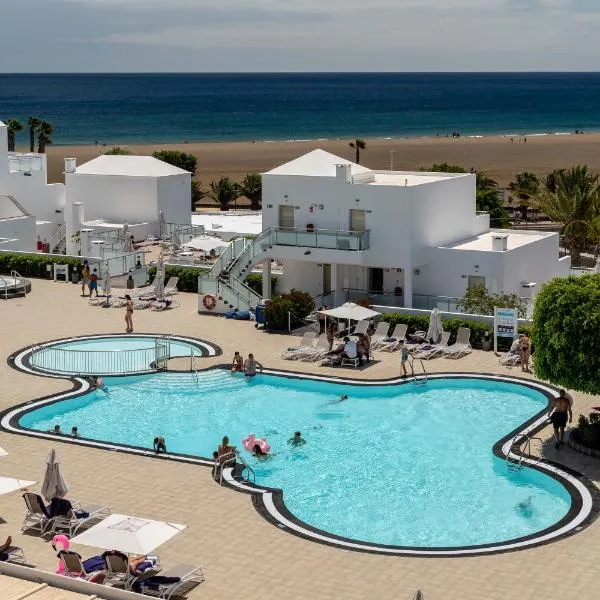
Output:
(237, 365)
(160, 445)
(250, 366)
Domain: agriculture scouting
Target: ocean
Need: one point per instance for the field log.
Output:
(151, 108)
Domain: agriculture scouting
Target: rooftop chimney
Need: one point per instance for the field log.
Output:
(70, 165)
(344, 173)
(500, 242)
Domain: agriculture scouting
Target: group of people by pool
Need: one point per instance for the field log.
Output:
(248, 366)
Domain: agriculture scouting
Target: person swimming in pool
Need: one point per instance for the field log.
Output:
(259, 453)
(160, 445)
(297, 440)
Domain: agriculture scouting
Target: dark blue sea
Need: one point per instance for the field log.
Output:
(128, 108)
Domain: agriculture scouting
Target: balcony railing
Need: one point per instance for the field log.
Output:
(319, 238)
(24, 163)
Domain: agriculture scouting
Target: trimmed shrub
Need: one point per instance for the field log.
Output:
(34, 265)
(566, 322)
(587, 431)
(300, 304)
(254, 282)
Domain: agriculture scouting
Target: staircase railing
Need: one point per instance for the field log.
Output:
(58, 237)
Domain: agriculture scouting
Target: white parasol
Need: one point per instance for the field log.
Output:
(54, 485)
(435, 331)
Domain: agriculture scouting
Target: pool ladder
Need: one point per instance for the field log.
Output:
(522, 439)
(418, 379)
(233, 458)
(193, 369)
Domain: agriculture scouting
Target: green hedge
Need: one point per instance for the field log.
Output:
(34, 265)
(300, 304)
(478, 328)
(254, 282)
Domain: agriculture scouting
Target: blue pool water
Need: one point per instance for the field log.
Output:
(115, 354)
(408, 465)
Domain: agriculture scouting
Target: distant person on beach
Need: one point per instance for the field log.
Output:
(160, 445)
(129, 314)
(250, 366)
(93, 284)
(85, 277)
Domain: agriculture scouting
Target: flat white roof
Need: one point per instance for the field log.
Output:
(410, 178)
(131, 166)
(229, 222)
(515, 239)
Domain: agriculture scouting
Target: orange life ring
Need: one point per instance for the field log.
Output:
(209, 301)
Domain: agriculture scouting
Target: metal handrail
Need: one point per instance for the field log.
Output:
(231, 458)
(412, 369)
(518, 440)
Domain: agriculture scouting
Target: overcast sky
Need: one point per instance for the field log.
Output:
(305, 35)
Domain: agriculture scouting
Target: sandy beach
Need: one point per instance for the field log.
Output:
(496, 155)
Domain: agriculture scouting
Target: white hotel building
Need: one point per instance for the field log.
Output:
(345, 231)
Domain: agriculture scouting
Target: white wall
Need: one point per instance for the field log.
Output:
(175, 198)
(21, 230)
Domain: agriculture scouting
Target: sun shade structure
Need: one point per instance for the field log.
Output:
(54, 485)
(132, 535)
(10, 484)
(351, 312)
(206, 243)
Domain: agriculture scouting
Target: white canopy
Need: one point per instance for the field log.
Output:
(132, 535)
(206, 243)
(350, 312)
(10, 484)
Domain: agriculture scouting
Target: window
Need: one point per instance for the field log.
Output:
(475, 280)
(357, 220)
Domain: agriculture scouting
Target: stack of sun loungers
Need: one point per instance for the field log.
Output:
(390, 342)
(512, 357)
(462, 345)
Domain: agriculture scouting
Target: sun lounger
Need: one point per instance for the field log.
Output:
(37, 517)
(512, 357)
(119, 573)
(307, 341)
(15, 554)
(316, 352)
(362, 327)
(395, 340)
(70, 523)
(163, 304)
(185, 578)
(462, 346)
(429, 351)
(74, 567)
(171, 286)
(380, 334)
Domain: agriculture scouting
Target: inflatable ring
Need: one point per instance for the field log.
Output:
(252, 441)
(209, 301)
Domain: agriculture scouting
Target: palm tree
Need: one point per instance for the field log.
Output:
(13, 126)
(358, 145)
(118, 151)
(197, 193)
(549, 181)
(251, 187)
(524, 186)
(45, 130)
(33, 123)
(224, 192)
(575, 202)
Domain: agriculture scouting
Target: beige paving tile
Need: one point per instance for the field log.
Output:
(223, 525)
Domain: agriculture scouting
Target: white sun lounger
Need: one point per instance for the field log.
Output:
(306, 343)
(462, 346)
(512, 357)
(395, 340)
(171, 286)
(379, 334)
(189, 577)
(318, 351)
(361, 327)
(428, 351)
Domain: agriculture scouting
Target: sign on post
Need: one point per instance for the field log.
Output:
(506, 324)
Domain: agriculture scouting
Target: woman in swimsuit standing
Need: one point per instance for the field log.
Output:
(129, 314)
(524, 347)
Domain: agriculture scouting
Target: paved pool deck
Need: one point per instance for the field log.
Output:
(241, 554)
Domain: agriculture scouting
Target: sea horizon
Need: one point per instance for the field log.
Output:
(151, 108)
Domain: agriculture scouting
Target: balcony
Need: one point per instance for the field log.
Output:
(24, 163)
(319, 238)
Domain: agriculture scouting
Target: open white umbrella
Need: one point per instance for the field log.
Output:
(54, 485)
(206, 243)
(350, 312)
(435, 331)
(10, 484)
(132, 535)
(159, 280)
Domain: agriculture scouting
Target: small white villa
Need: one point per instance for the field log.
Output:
(348, 231)
(408, 239)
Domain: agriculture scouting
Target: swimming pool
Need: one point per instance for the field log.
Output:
(116, 354)
(404, 466)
